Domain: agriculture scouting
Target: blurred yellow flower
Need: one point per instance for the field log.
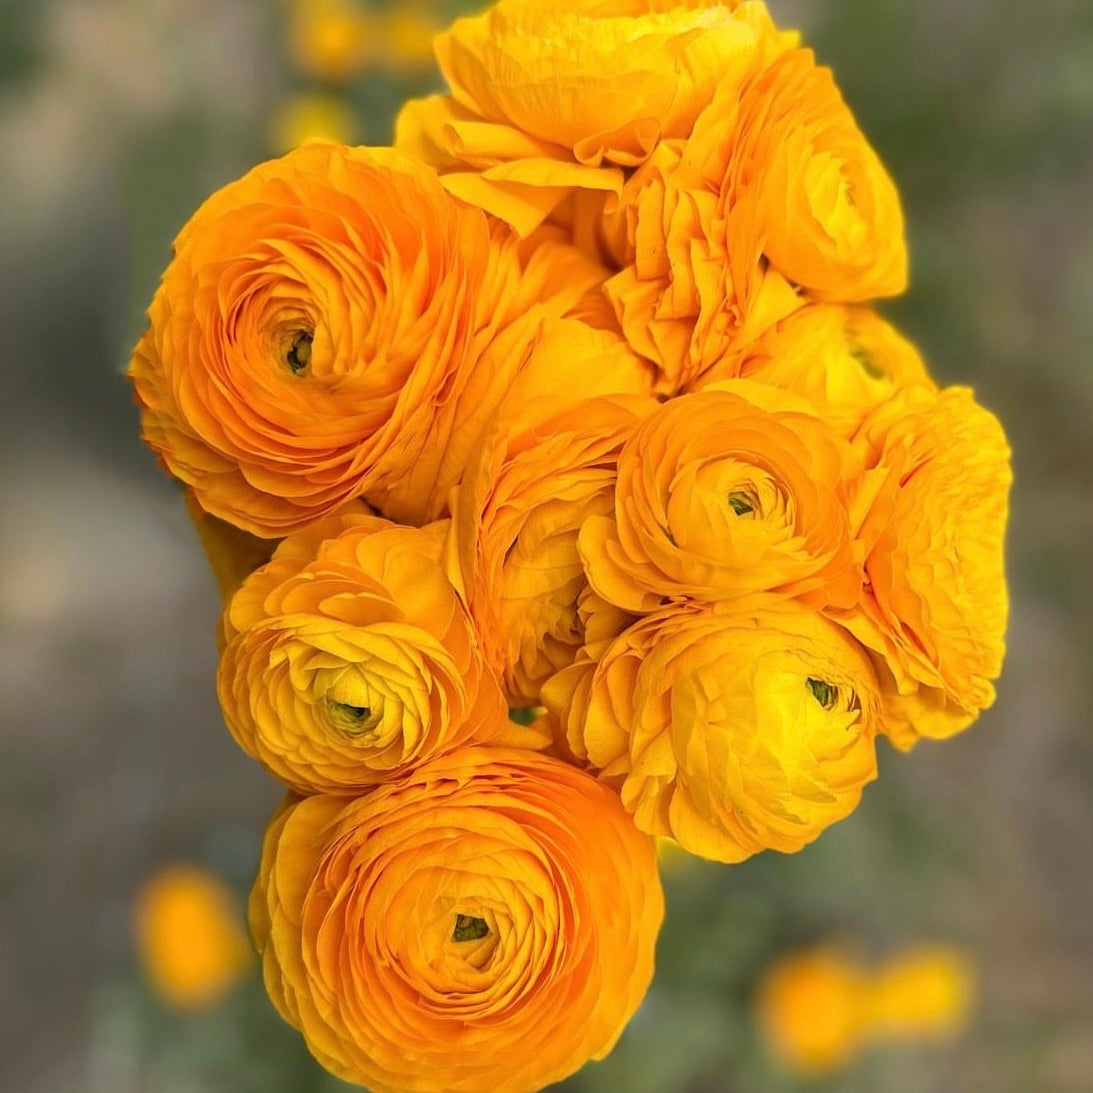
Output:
(818, 1009)
(406, 38)
(924, 993)
(190, 937)
(312, 118)
(811, 1011)
(330, 40)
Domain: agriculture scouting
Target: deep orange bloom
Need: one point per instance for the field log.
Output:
(484, 925)
(334, 325)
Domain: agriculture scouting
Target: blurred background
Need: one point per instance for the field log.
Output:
(117, 117)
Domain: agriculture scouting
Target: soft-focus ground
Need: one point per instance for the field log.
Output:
(116, 118)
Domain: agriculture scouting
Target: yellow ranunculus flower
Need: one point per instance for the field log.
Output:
(515, 519)
(349, 658)
(190, 937)
(732, 732)
(775, 193)
(486, 924)
(933, 505)
(811, 1010)
(548, 100)
(729, 490)
(843, 360)
(334, 325)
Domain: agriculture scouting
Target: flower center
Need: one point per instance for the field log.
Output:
(352, 719)
(741, 503)
(469, 928)
(298, 356)
(825, 693)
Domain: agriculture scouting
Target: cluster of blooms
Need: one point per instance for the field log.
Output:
(569, 404)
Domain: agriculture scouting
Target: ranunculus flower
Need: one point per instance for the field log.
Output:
(349, 658)
(549, 100)
(484, 925)
(328, 329)
(843, 360)
(934, 503)
(729, 490)
(729, 731)
(515, 518)
(775, 193)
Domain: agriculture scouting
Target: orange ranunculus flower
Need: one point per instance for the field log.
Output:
(730, 490)
(547, 101)
(730, 731)
(327, 330)
(843, 360)
(776, 192)
(515, 520)
(933, 501)
(484, 925)
(811, 1008)
(349, 658)
(190, 936)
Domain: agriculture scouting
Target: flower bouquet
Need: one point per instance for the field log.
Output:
(565, 493)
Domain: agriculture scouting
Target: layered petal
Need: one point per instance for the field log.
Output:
(546, 102)
(773, 199)
(535, 480)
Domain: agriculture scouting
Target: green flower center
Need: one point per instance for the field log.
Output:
(825, 693)
(298, 356)
(469, 928)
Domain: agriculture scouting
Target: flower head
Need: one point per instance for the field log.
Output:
(484, 925)
(328, 329)
(731, 732)
(349, 658)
